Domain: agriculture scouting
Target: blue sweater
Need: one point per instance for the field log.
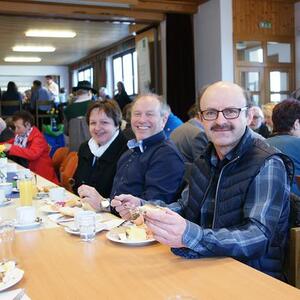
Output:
(155, 173)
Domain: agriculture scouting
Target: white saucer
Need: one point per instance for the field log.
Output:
(28, 226)
(6, 202)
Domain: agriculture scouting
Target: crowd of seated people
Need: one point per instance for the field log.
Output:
(214, 205)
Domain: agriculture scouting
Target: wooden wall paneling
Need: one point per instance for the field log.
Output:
(249, 13)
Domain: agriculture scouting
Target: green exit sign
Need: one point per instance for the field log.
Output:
(265, 25)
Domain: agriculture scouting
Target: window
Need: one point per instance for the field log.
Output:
(85, 74)
(279, 52)
(249, 51)
(265, 69)
(125, 70)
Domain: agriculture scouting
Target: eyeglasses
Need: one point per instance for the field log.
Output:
(228, 113)
(256, 117)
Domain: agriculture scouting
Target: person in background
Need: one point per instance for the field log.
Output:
(126, 113)
(39, 93)
(286, 133)
(83, 98)
(121, 97)
(62, 96)
(172, 122)
(184, 135)
(267, 112)
(6, 133)
(152, 168)
(98, 157)
(103, 94)
(53, 89)
(30, 146)
(74, 115)
(237, 202)
(257, 124)
(11, 94)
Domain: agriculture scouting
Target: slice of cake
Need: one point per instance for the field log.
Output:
(135, 233)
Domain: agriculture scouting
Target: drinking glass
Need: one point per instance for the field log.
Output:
(7, 237)
(87, 225)
(26, 191)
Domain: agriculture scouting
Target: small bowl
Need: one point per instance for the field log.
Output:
(7, 187)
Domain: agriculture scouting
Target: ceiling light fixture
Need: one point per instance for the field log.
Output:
(21, 59)
(50, 33)
(33, 49)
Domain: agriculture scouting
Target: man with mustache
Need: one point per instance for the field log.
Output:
(237, 202)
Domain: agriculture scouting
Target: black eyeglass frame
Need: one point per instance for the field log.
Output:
(235, 109)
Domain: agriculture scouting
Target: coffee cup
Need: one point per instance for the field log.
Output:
(2, 196)
(25, 215)
(6, 187)
(57, 194)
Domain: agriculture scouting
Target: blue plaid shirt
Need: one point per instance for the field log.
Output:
(261, 215)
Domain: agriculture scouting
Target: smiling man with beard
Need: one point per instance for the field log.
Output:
(237, 202)
(152, 168)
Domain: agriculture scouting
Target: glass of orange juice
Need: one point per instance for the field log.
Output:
(26, 191)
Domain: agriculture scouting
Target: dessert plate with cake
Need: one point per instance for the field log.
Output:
(135, 232)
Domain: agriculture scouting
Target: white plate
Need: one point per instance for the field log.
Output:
(112, 237)
(15, 190)
(18, 275)
(6, 202)
(48, 209)
(104, 225)
(27, 226)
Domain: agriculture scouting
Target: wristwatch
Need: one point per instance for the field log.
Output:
(105, 203)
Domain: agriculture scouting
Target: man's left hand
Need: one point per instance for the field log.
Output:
(167, 227)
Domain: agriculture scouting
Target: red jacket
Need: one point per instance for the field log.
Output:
(37, 154)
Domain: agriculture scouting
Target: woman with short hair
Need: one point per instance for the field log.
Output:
(98, 157)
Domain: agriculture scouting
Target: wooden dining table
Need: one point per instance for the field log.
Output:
(58, 265)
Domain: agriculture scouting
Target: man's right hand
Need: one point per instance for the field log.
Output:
(124, 204)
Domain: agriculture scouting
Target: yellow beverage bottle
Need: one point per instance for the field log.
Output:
(26, 192)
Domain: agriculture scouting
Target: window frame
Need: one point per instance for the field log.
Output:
(121, 55)
(90, 67)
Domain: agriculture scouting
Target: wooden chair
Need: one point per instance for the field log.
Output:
(67, 174)
(294, 257)
(59, 155)
(65, 161)
(14, 105)
(40, 116)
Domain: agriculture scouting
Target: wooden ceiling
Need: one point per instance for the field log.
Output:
(97, 23)
(131, 10)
